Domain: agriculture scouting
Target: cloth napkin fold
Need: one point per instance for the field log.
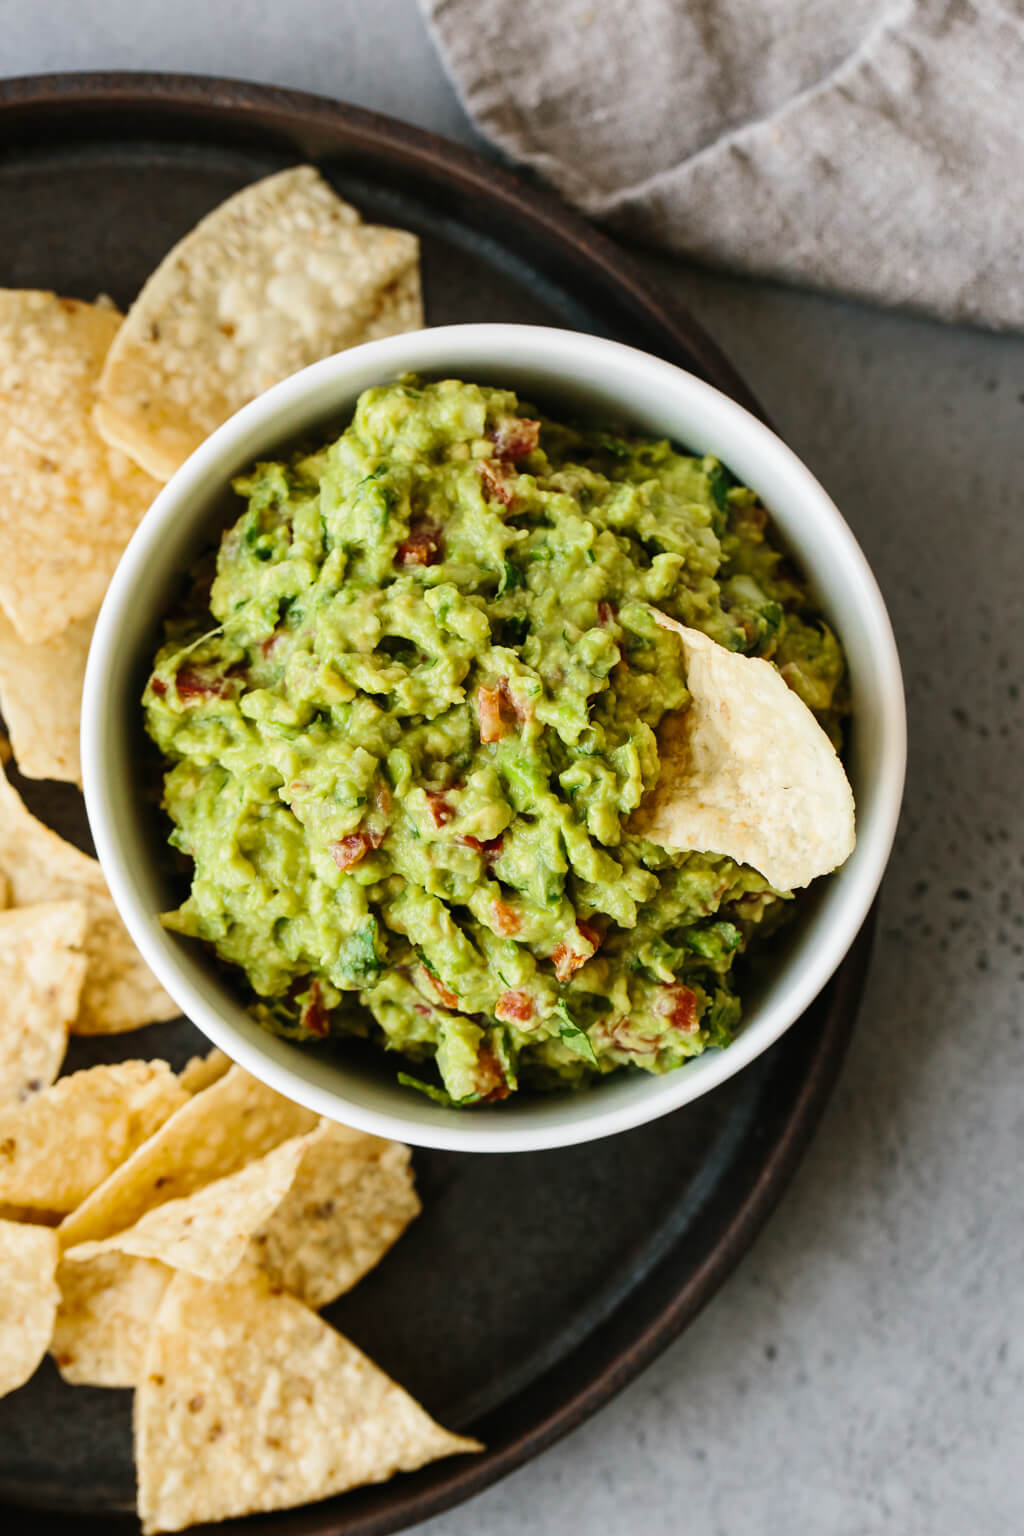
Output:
(870, 146)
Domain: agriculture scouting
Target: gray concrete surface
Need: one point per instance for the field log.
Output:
(862, 1372)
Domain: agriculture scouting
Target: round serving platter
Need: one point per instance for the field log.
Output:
(533, 1287)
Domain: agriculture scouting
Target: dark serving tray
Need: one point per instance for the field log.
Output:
(535, 1286)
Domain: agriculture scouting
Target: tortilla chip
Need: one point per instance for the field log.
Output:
(28, 1300)
(41, 698)
(202, 1071)
(41, 973)
(351, 1199)
(69, 502)
(213, 1134)
(106, 1312)
(208, 1232)
(39, 1218)
(249, 1401)
(280, 275)
(747, 771)
(60, 1144)
(119, 992)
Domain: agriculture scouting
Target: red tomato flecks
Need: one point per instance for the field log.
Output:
(515, 436)
(496, 481)
(679, 1006)
(193, 685)
(313, 1016)
(506, 919)
(422, 547)
(353, 848)
(514, 1008)
(567, 961)
(441, 811)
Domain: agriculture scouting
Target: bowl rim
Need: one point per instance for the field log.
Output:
(524, 346)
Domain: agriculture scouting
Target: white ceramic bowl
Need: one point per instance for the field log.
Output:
(565, 372)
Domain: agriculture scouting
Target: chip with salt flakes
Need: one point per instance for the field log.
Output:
(280, 275)
(70, 501)
(207, 1232)
(42, 968)
(747, 771)
(249, 1401)
(107, 1307)
(41, 698)
(201, 1072)
(28, 1300)
(351, 1199)
(63, 1142)
(119, 992)
(213, 1134)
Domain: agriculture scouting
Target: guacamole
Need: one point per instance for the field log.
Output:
(408, 716)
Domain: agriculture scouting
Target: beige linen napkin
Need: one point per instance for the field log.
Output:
(871, 146)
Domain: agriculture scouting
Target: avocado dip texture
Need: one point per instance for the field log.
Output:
(409, 715)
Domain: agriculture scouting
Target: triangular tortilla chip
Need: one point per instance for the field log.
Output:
(214, 1133)
(69, 502)
(41, 973)
(747, 771)
(248, 1401)
(41, 698)
(119, 992)
(28, 1300)
(201, 1072)
(352, 1198)
(280, 275)
(207, 1232)
(60, 1144)
(106, 1312)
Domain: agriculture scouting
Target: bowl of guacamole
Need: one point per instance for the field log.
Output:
(461, 811)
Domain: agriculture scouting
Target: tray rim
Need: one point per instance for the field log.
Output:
(599, 1368)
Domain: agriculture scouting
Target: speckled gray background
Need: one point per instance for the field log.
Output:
(863, 1370)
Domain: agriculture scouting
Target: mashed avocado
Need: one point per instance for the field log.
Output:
(409, 716)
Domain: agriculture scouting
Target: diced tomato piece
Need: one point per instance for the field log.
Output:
(353, 848)
(491, 1084)
(514, 1008)
(498, 708)
(621, 1035)
(679, 1005)
(158, 686)
(515, 436)
(491, 849)
(495, 481)
(267, 645)
(506, 919)
(567, 961)
(493, 725)
(313, 1016)
(446, 997)
(422, 547)
(606, 612)
(441, 811)
(193, 685)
